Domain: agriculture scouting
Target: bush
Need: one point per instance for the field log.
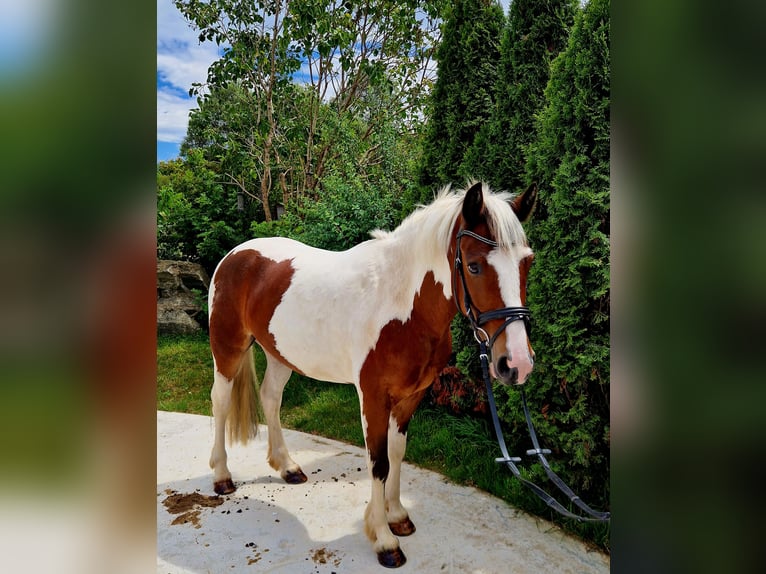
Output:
(345, 213)
(197, 216)
(460, 394)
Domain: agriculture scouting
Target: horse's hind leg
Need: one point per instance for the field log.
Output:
(233, 401)
(221, 397)
(274, 381)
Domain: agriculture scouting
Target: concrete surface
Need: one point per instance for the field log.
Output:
(316, 527)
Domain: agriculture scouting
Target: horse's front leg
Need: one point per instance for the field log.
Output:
(375, 423)
(397, 516)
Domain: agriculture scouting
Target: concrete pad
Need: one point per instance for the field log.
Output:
(316, 527)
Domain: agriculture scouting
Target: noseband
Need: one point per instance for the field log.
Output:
(507, 314)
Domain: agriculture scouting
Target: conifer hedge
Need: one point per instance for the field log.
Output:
(569, 283)
(548, 122)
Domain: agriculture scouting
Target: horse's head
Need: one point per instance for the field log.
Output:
(492, 259)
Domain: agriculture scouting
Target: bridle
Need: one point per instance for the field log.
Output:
(510, 315)
(477, 321)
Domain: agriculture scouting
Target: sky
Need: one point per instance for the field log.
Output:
(181, 61)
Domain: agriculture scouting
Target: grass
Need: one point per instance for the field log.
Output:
(184, 374)
(461, 448)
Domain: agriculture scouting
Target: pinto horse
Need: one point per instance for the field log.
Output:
(376, 316)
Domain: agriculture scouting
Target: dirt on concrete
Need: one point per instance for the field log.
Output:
(188, 505)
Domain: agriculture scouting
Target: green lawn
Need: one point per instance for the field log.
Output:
(460, 447)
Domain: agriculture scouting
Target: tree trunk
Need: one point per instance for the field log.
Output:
(266, 178)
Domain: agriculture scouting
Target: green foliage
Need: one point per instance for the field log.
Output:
(550, 124)
(345, 214)
(569, 283)
(465, 348)
(533, 36)
(197, 217)
(462, 97)
(461, 102)
(354, 197)
(291, 70)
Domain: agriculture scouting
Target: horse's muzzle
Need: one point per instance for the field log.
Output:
(513, 373)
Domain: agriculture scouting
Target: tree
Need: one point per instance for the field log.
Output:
(339, 50)
(197, 216)
(569, 282)
(462, 97)
(231, 133)
(534, 35)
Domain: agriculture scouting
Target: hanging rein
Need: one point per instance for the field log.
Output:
(509, 315)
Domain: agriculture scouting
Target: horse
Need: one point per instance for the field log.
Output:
(376, 316)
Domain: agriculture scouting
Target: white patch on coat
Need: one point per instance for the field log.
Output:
(331, 315)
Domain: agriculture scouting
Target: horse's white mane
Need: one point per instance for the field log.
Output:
(437, 219)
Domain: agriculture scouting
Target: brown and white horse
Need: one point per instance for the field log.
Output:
(376, 316)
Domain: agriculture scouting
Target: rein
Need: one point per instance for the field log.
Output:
(511, 314)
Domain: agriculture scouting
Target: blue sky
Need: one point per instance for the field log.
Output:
(181, 61)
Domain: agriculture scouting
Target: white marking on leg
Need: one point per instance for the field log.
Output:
(375, 521)
(221, 398)
(397, 444)
(274, 381)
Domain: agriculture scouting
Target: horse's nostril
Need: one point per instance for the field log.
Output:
(502, 367)
(505, 372)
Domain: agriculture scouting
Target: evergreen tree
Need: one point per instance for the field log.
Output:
(462, 96)
(569, 282)
(534, 35)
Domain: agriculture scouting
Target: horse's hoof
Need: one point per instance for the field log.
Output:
(224, 486)
(402, 528)
(295, 477)
(392, 558)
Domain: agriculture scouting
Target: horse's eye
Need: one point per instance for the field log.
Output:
(474, 268)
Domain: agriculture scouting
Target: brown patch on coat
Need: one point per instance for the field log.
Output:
(524, 266)
(404, 362)
(484, 288)
(248, 289)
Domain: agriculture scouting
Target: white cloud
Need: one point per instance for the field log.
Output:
(172, 116)
(181, 61)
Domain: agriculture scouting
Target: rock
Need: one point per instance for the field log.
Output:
(181, 292)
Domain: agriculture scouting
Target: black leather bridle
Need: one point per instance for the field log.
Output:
(509, 315)
(477, 321)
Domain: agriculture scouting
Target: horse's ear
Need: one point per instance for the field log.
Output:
(523, 205)
(473, 205)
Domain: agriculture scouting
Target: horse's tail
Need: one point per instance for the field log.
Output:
(243, 410)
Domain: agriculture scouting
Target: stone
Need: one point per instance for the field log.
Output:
(182, 289)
